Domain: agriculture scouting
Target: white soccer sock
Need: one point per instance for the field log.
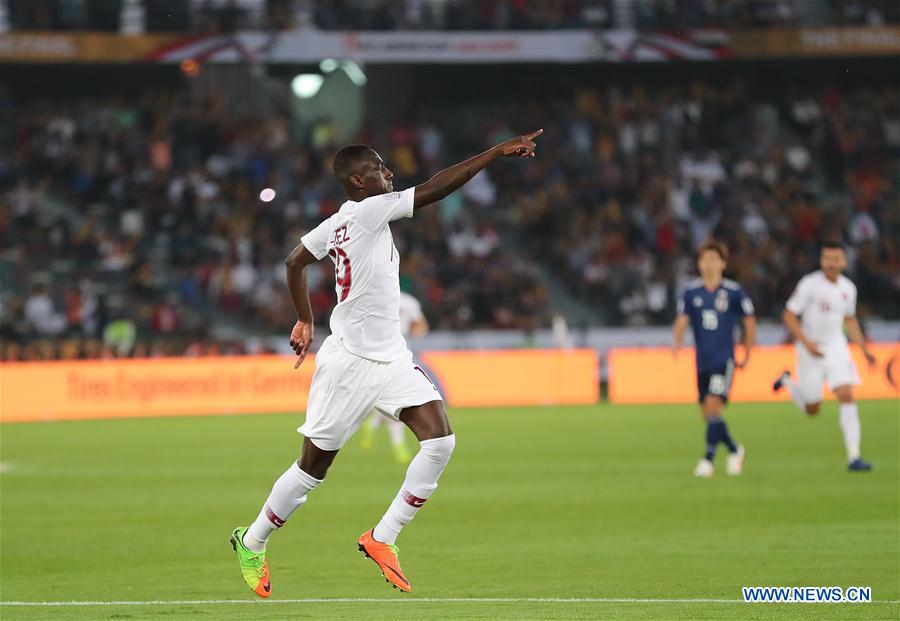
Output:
(421, 480)
(288, 493)
(850, 427)
(796, 395)
(396, 430)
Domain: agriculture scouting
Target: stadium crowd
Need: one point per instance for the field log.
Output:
(231, 15)
(638, 179)
(123, 220)
(137, 228)
(560, 14)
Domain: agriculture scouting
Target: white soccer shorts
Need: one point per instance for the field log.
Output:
(346, 388)
(836, 367)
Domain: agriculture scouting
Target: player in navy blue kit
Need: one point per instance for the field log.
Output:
(712, 306)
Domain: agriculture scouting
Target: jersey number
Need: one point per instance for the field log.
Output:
(710, 320)
(717, 385)
(341, 271)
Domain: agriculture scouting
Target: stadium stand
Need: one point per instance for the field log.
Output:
(231, 15)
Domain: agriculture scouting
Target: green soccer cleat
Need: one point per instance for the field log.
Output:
(254, 567)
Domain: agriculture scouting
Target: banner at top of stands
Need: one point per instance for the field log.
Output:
(569, 46)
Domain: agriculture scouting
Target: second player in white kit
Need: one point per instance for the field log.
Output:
(413, 324)
(822, 306)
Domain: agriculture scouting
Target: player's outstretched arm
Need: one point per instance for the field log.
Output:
(792, 322)
(678, 329)
(302, 334)
(419, 327)
(451, 179)
(854, 331)
(749, 339)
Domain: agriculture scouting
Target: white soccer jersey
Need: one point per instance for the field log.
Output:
(410, 312)
(823, 306)
(366, 266)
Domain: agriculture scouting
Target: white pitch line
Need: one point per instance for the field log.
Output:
(436, 600)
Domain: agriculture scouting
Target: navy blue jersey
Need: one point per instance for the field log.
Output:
(713, 315)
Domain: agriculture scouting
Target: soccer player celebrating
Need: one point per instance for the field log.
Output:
(826, 302)
(412, 324)
(712, 306)
(365, 364)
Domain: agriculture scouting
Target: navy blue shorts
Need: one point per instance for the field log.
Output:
(716, 382)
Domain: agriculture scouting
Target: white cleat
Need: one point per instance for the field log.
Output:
(704, 469)
(735, 464)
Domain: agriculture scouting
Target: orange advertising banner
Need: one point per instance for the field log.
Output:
(816, 42)
(516, 377)
(652, 375)
(84, 47)
(37, 391)
(31, 391)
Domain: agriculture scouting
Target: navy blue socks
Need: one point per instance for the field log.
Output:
(717, 431)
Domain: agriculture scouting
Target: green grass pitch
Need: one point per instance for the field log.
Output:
(577, 503)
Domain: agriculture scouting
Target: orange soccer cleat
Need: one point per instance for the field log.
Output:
(385, 556)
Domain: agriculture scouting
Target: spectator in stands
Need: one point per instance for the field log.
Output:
(41, 314)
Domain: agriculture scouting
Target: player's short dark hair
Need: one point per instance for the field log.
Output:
(832, 244)
(349, 160)
(714, 246)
